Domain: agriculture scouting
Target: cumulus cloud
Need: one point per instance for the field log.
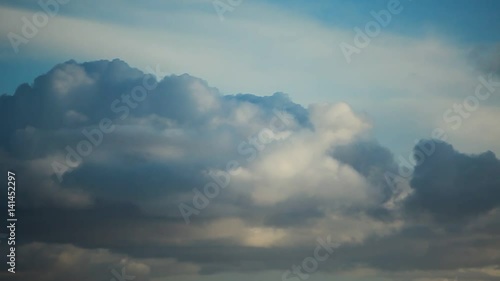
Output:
(318, 173)
(452, 186)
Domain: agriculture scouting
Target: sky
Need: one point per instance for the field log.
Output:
(252, 140)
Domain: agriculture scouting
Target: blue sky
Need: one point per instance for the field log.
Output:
(466, 22)
(462, 20)
(221, 83)
(458, 25)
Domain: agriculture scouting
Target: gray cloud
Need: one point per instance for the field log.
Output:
(371, 160)
(453, 186)
(486, 58)
(121, 201)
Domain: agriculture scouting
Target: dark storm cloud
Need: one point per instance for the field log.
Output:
(373, 161)
(73, 95)
(369, 159)
(123, 197)
(181, 118)
(295, 211)
(177, 118)
(424, 248)
(453, 186)
(131, 179)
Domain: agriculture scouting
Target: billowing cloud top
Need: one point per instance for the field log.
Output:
(168, 178)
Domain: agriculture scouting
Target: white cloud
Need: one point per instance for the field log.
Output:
(261, 49)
